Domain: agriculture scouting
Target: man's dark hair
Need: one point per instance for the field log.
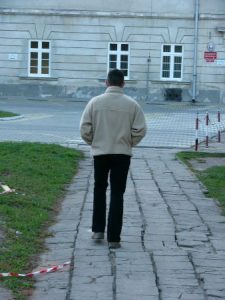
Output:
(115, 77)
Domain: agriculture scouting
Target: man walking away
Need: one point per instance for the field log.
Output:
(112, 123)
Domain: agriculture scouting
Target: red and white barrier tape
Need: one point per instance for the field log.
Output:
(32, 274)
(196, 132)
(207, 130)
(218, 120)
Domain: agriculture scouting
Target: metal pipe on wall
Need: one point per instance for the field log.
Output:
(194, 79)
(148, 78)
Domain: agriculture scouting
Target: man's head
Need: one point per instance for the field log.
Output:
(115, 78)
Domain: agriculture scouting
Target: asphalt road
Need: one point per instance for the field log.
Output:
(169, 124)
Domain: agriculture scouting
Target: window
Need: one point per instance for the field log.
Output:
(39, 58)
(119, 58)
(172, 62)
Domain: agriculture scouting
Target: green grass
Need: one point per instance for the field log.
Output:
(6, 114)
(39, 174)
(213, 178)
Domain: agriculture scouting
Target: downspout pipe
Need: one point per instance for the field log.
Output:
(147, 79)
(194, 79)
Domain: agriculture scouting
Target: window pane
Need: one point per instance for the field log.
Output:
(34, 63)
(45, 63)
(33, 70)
(113, 47)
(165, 74)
(112, 57)
(124, 47)
(177, 67)
(123, 65)
(124, 58)
(166, 48)
(166, 67)
(34, 44)
(166, 63)
(44, 71)
(178, 49)
(112, 65)
(34, 55)
(166, 59)
(125, 72)
(45, 45)
(178, 59)
(176, 74)
(45, 55)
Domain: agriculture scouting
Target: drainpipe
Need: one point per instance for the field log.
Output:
(147, 79)
(194, 79)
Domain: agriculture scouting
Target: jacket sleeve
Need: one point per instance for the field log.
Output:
(86, 127)
(139, 127)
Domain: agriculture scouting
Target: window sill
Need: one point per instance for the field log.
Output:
(38, 78)
(133, 81)
(130, 81)
(171, 82)
(221, 29)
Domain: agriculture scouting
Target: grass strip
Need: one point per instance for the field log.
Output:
(213, 178)
(39, 174)
(7, 114)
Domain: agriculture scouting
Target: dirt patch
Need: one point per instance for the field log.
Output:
(204, 163)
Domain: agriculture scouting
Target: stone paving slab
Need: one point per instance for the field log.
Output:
(5, 294)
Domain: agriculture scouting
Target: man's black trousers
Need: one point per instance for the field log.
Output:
(115, 167)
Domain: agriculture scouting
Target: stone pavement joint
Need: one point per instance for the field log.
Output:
(77, 232)
(112, 256)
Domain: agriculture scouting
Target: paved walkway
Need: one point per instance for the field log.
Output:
(173, 239)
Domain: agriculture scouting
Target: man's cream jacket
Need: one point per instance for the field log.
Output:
(112, 123)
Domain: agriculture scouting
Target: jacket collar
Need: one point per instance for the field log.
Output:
(114, 89)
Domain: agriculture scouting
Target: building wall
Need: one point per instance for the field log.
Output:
(79, 46)
(107, 6)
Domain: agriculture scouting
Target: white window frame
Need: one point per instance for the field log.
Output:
(171, 64)
(119, 52)
(39, 66)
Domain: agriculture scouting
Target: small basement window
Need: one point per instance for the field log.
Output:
(173, 94)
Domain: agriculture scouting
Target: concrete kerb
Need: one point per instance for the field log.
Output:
(11, 118)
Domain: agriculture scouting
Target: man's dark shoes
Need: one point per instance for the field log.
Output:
(114, 245)
(98, 236)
